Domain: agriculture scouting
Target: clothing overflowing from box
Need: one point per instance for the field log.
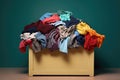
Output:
(59, 31)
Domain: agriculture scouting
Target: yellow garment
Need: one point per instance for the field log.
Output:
(82, 28)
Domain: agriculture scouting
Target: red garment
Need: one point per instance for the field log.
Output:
(51, 19)
(90, 42)
(100, 38)
(29, 26)
(23, 44)
(42, 27)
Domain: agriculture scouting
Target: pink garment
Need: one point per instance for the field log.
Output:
(51, 19)
(23, 44)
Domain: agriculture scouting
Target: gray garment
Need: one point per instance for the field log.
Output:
(42, 38)
(73, 43)
(57, 23)
(36, 47)
(65, 32)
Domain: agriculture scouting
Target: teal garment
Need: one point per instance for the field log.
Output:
(64, 15)
(63, 45)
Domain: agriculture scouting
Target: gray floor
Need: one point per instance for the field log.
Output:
(22, 74)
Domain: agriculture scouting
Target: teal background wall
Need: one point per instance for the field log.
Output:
(102, 15)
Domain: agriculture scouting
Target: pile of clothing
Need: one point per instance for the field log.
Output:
(60, 30)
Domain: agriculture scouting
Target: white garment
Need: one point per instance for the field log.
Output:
(27, 35)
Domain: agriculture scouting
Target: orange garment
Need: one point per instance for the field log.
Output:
(83, 29)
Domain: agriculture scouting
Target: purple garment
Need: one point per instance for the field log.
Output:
(53, 39)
